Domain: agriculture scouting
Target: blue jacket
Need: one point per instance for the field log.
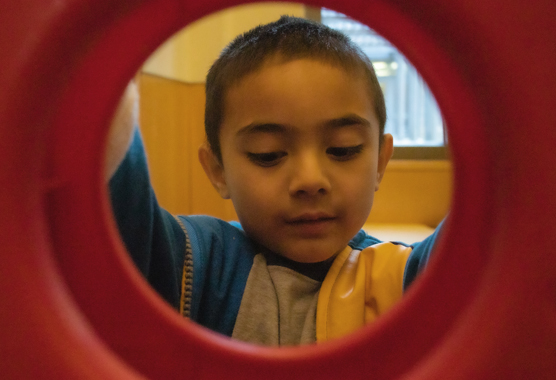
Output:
(207, 280)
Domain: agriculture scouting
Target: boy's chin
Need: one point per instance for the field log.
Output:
(304, 250)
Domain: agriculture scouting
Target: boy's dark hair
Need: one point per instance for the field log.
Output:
(289, 38)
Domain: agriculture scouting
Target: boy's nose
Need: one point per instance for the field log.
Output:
(308, 177)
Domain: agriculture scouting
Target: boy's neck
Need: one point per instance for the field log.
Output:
(316, 271)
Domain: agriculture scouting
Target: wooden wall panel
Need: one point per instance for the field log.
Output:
(414, 191)
(172, 124)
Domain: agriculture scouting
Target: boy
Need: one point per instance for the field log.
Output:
(295, 138)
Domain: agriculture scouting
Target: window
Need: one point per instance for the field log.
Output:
(414, 118)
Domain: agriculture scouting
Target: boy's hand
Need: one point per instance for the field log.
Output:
(121, 130)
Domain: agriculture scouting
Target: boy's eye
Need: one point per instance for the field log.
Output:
(344, 153)
(266, 159)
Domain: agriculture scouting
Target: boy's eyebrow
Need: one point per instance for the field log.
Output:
(347, 120)
(344, 121)
(261, 128)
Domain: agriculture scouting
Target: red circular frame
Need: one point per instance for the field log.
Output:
(73, 305)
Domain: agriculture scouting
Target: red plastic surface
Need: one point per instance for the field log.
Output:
(72, 305)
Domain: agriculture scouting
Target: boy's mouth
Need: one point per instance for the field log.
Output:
(312, 225)
(310, 218)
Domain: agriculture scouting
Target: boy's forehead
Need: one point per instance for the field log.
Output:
(289, 69)
(280, 75)
(278, 59)
(270, 97)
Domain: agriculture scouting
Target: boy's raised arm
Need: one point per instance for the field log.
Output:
(153, 238)
(120, 134)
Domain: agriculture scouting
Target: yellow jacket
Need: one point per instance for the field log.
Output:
(360, 286)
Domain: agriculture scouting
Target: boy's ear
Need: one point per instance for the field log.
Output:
(384, 155)
(214, 170)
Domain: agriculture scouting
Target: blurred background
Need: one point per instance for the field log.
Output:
(416, 191)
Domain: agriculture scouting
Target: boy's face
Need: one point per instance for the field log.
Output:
(300, 157)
